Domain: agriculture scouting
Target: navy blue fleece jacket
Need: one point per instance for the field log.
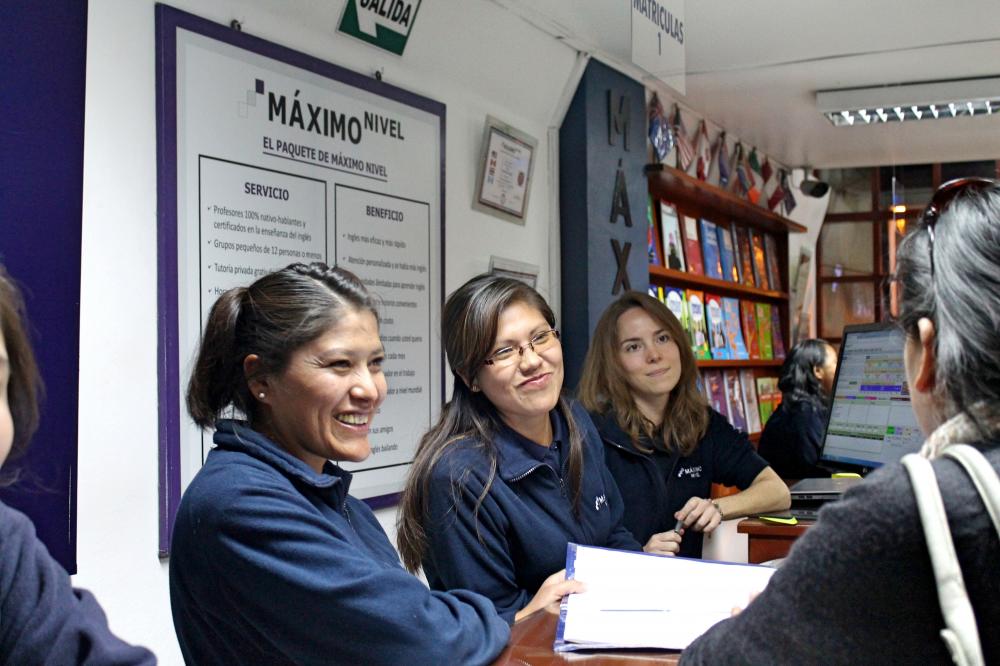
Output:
(656, 485)
(273, 563)
(43, 620)
(518, 536)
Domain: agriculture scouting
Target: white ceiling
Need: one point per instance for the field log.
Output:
(754, 66)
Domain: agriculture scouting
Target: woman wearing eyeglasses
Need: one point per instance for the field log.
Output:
(512, 471)
(664, 445)
(859, 586)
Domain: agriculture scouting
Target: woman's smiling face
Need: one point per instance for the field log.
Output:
(321, 407)
(528, 387)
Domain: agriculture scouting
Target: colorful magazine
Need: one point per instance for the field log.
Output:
(734, 336)
(710, 249)
(777, 340)
(734, 399)
(749, 316)
(670, 236)
(766, 388)
(716, 388)
(699, 327)
(716, 327)
(677, 304)
(744, 254)
(759, 260)
(750, 408)
(764, 330)
(773, 265)
(727, 253)
(692, 249)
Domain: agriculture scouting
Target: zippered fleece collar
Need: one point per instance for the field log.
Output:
(519, 455)
(233, 435)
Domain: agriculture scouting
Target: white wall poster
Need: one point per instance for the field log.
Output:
(268, 157)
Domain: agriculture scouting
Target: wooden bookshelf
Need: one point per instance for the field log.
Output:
(700, 200)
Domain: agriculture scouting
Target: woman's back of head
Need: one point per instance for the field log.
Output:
(798, 380)
(948, 270)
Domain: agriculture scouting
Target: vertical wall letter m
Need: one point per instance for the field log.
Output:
(618, 117)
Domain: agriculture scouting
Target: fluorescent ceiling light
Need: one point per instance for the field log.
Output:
(911, 101)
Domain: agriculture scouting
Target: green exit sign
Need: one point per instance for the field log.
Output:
(384, 23)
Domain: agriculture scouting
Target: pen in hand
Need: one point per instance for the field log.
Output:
(679, 526)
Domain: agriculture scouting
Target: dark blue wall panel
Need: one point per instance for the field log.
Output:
(43, 66)
(591, 153)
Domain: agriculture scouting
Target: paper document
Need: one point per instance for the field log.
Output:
(639, 600)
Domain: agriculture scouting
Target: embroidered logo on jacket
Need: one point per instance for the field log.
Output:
(693, 472)
(599, 501)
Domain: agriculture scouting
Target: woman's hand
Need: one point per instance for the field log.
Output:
(664, 543)
(700, 515)
(552, 590)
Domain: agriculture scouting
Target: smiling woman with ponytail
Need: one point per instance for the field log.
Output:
(273, 561)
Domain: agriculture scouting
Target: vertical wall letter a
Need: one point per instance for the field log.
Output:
(619, 202)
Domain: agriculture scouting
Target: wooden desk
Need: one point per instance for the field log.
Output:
(531, 643)
(769, 541)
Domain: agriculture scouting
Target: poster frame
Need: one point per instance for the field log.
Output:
(168, 21)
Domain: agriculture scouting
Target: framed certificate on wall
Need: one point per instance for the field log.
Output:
(505, 171)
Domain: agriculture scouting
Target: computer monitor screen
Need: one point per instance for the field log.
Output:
(870, 423)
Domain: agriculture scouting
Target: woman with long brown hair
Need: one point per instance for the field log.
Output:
(512, 471)
(663, 444)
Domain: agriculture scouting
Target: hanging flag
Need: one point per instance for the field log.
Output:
(723, 152)
(779, 191)
(704, 150)
(753, 194)
(685, 151)
(753, 161)
(789, 199)
(766, 171)
(659, 130)
(741, 184)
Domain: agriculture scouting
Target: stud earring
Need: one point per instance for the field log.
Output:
(261, 395)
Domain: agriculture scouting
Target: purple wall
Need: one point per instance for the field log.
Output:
(42, 62)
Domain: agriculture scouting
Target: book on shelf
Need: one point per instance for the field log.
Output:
(700, 385)
(699, 327)
(734, 336)
(741, 239)
(692, 248)
(777, 339)
(750, 408)
(670, 236)
(716, 328)
(759, 259)
(716, 389)
(764, 330)
(656, 292)
(652, 252)
(727, 253)
(749, 316)
(675, 301)
(773, 265)
(766, 388)
(710, 249)
(734, 399)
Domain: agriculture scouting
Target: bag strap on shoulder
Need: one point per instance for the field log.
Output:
(960, 633)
